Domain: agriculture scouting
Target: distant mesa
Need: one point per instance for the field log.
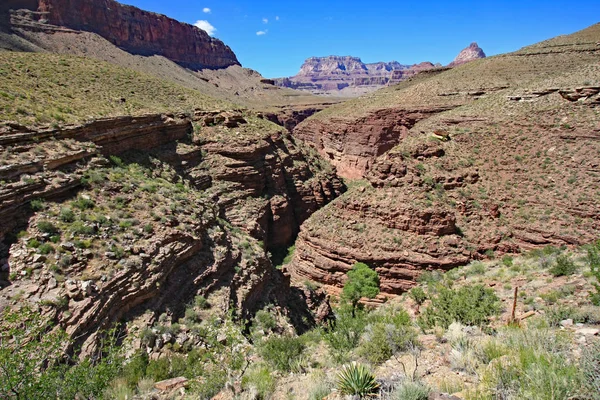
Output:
(349, 76)
(132, 29)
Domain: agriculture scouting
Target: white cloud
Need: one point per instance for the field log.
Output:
(206, 26)
(277, 18)
(262, 33)
(206, 10)
(265, 20)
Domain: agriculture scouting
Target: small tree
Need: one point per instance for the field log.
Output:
(362, 282)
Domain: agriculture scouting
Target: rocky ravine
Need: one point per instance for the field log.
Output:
(134, 30)
(190, 212)
(489, 158)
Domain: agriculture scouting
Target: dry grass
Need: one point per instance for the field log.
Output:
(54, 89)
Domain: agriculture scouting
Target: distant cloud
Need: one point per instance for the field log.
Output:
(262, 33)
(206, 26)
(206, 10)
(277, 18)
(265, 20)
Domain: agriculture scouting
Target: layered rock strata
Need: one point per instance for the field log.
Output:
(134, 30)
(190, 211)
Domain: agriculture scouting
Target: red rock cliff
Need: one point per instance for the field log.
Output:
(137, 31)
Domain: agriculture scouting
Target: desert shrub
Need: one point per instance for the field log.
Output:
(191, 315)
(356, 380)
(555, 314)
(430, 277)
(411, 391)
(45, 249)
(264, 320)
(66, 214)
(212, 383)
(593, 258)
(80, 228)
(135, 369)
(159, 370)
(563, 266)
(47, 227)
(34, 367)
(319, 387)
(389, 331)
(260, 379)
(281, 352)
(37, 205)
(33, 243)
(590, 366)
(343, 334)
(530, 374)
(201, 302)
(83, 204)
(469, 305)
(381, 341)
(477, 268)
(418, 295)
(119, 390)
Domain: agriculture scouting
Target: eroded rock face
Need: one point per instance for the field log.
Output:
(134, 30)
(352, 146)
(200, 201)
(471, 53)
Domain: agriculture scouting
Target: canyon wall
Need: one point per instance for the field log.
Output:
(134, 30)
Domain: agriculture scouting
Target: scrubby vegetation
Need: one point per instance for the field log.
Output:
(463, 328)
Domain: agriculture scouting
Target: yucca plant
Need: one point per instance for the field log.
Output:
(356, 379)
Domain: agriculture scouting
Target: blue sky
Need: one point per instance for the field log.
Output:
(275, 37)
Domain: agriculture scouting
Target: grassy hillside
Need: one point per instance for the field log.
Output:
(553, 63)
(39, 88)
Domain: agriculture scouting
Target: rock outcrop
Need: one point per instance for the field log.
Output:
(352, 147)
(130, 28)
(190, 211)
(471, 53)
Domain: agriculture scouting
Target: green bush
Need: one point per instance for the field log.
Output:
(46, 249)
(343, 334)
(66, 214)
(362, 282)
(563, 266)
(34, 367)
(264, 320)
(47, 227)
(281, 352)
(356, 380)
(37, 205)
(418, 295)
(381, 341)
(469, 305)
(83, 204)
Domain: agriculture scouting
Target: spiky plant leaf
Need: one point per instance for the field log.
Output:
(356, 379)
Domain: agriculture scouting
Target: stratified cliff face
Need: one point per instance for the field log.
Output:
(136, 31)
(491, 158)
(335, 73)
(192, 210)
